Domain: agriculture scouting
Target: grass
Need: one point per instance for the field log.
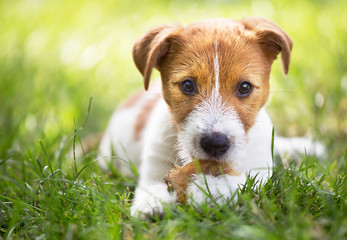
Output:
(42, 201)
(55, 55)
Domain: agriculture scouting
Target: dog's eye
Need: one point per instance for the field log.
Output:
(188, 86)
(244, 89)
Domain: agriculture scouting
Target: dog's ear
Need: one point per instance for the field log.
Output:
(272, 38)
(152, 46)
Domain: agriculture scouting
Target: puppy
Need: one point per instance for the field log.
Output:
(210, 105)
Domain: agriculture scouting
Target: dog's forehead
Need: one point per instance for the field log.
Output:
(202, 40)
(213, 30)
(201, 46)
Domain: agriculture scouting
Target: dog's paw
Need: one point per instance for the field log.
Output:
(150, 201)
(213, 190)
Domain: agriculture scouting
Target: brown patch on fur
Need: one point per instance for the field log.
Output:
(132, 100)
(143, 115)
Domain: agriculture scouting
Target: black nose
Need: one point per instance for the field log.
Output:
(215, 144)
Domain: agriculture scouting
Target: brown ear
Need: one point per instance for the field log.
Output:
(149, 48)
(272, 38)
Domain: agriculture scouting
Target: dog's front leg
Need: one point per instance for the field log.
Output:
(152, 193)
(158, 156)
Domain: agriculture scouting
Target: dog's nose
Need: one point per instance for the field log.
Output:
(215, 144)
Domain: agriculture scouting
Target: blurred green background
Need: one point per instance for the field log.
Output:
(56, 54)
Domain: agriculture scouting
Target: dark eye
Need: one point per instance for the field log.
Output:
(244, 89)
(188, 86)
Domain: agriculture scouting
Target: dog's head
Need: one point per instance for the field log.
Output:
(215, 78)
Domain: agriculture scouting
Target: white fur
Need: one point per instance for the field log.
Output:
(255, 162)
(119, 135)
(156, 149)
(216, 67)
(158, 155)
(211, 116)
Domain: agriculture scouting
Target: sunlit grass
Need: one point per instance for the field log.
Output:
(55, 55)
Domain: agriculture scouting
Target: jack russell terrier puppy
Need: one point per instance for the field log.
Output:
(214, 85)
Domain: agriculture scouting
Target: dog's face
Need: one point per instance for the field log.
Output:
(215, 77)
